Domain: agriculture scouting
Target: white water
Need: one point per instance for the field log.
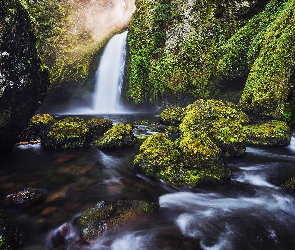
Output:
(110, 76)
(109, 79)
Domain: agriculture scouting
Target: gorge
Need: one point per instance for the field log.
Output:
(187, 57)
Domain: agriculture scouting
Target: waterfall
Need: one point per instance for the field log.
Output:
(110, 76)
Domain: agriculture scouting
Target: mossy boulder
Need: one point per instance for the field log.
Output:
(37, 126)
(221, 121)
(99, 126)
(105, 216)
(119, 135)
(23, 77)
(187, 162)
(9, 234)
(68, 133)
(172, 116)
(290, 184)
(269, 133)
(158, 158)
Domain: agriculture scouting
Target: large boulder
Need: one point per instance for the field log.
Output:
(23, 78)
(221, 121)
(192, 159)
(68, 133)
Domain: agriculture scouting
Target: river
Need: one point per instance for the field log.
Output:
(252, 212)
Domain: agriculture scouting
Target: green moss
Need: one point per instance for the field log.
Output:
(99, 125)
(221, 121)
(190, 160)
(118, 136)
(270, 133)
(172, 116)
(68, 133)
(269, 83)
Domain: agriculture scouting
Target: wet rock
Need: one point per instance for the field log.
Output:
(49, 210)
(9, 234)
(105, 216)
(25, 197)
(23, 77)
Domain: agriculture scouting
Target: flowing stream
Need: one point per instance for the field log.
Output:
(252, 212)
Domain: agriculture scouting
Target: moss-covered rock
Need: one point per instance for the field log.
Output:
(270, 133)
(118, 136)
(290, 184)
(158, 158)
(37, 126)
(105, 216)
(187, 163)
(9, 234)
(221, 121)
(68, 133)
(23, 77)
(99, 126)
(172, 116)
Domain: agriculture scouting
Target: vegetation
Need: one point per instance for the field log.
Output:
(270, 133)
(172, 116)
(221, 121)
(99, 125)
(178, 53)
(118, 136)
(68, 133)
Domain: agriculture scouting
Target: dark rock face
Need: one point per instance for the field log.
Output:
(10, 237)
(23, 79)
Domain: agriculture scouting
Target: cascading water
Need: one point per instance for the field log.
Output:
(110, 77)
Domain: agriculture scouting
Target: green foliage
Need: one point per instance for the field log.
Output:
(269, 82)
(118, 136)
(172, 116)
(270, 133)
(99, 125)
(71, 132)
